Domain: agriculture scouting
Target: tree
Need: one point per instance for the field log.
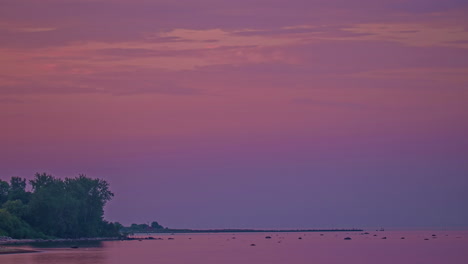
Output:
(4, 189)
(42, 181)
(16, 208)
(17, 190)
(156, 225)
(90, 196)
(69, 208)
(11, 225)
(118, 225)
(47, 206)
(73, 207)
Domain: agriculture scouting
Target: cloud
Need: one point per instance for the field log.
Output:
(123, 20)
(144, 52)
(73, 46)
(34, 29)
(458, 42)
(113, 83)
(447, 76)
(420, 35)
(332, 104)
(90, 87)
(7, 100)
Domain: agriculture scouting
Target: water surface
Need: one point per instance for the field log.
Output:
(329, 247)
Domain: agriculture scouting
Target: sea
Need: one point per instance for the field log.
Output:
(367, 247)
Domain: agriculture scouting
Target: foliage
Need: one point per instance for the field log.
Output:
(156, 225)
(11, 225)
(17, 190)
(4, 188)
(69, 208)
(16, 208)
(142, 228)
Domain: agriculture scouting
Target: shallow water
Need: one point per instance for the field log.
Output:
(444, 247)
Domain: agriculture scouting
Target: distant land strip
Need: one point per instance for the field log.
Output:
(245, 230)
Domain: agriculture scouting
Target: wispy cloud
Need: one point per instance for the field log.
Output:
(414, 34)
(24, 26)
(113, 83)
(333, 104)
(445, 75)
(6, 100)
(57, 52)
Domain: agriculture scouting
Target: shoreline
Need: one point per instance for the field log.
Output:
(163, 231)
(8, 250)
(39, 240)
(190, 231)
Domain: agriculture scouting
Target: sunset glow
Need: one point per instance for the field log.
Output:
(247, 113)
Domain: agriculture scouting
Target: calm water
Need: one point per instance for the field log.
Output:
(446, 247)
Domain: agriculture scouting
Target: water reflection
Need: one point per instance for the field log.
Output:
(79, 244)
(363, 248)
(72, 257)
(59, 252)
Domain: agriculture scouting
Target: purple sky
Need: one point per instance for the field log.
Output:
(244, 114)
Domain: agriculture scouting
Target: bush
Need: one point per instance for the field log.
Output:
(14, 227)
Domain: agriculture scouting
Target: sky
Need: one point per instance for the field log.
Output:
(244, 114)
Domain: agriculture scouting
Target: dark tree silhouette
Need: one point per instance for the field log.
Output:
(71, 208)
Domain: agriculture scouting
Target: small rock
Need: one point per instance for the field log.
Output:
(252, 245)
(347, 238)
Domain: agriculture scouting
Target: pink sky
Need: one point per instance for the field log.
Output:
(249, 113)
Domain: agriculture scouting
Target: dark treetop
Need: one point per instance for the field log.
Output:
(68, 208)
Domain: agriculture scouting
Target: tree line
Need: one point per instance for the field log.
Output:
(143, 228)
(52, 207)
